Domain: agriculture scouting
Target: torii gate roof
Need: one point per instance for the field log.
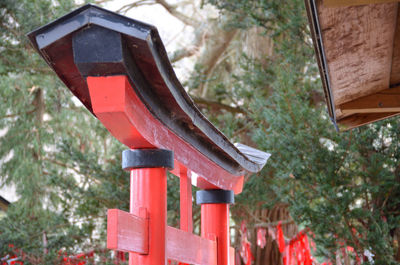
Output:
(357, 44)
(128, 47)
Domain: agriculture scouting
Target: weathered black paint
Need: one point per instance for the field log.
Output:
(215, 196)
(147, 158)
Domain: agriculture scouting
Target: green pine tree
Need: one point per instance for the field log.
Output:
(344, 187)
(64, 164)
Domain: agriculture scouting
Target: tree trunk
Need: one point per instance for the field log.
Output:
(269, 255)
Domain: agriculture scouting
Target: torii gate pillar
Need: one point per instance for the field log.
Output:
(215, 220)
(148, 193)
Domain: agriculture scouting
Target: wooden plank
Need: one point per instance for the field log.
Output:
(370, 110)
(358, 52)
(337, 3)
(395, 70)
(127, 232)
(357, 120)
(188, 248)
(185, 201)
(387, 100)
(185, 198)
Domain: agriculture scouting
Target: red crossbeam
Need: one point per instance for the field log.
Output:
(127, 232)
(185, 201)
(188, 248)
(122, 112)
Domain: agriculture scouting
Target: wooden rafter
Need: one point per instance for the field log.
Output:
(338, 3)
(384, 101)
(357, 120)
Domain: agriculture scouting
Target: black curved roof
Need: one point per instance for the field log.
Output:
(78, 44)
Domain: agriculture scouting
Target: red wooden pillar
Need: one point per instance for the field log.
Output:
(186, 219)
(215, 220)
(148, 192)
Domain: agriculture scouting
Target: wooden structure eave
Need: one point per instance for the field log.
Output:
(357, 45)
(4, 204)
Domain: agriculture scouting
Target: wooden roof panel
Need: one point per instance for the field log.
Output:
(395, 68)
(336, 3)
(358, 53)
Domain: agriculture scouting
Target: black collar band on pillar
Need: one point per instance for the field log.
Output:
(147, 158)
(215, 196)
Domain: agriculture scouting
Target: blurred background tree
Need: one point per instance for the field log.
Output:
(64, 164)
(253, 73)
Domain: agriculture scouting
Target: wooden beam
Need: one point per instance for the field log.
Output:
(127, 232)
(188, 248)
(370, 110)
(123, 113)
(395, 68)
(358, 120)
(338, 3)
(385, 101)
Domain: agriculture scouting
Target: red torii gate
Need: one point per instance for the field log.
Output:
(119, 69)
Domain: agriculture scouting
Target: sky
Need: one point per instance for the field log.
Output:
(173, 32)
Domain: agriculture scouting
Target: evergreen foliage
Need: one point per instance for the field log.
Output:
(64, 164)
(345, 187)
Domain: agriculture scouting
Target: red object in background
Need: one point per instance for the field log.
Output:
(298, 251)
(280, 238)
(245, 248)
(119, 257)
(79, 259)
(11, 260)
(247, 256)
(261, 239)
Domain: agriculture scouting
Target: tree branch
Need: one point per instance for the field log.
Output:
(174, 12)
(218, 105)
(127, 7)
(191, 50)
(220, 42)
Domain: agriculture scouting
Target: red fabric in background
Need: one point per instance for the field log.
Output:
(261, 239)
(245, 248)
(296, 251)
(280, 238)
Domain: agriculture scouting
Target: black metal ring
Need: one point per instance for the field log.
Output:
(147, 158)
(215, 196)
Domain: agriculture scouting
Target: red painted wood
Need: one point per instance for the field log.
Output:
(185, 200)
(185, 185)
(149, 190)
(121, 111)
(127, 232)
(215, 221)
(108, 95)
(232, 256)
(188, 248)
(181, 246)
